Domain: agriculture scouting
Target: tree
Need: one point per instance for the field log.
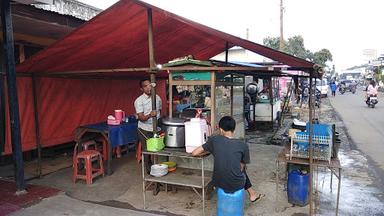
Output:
(272, 42)
(321, 57)
(295, 46)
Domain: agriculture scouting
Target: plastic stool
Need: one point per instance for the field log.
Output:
(88, 145)
(87, 156)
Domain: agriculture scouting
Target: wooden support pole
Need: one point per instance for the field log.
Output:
(2, 104)
(310, 147)
(213, 101)
(12, 95)
(226, 51)
(271, 101)
(152, 66)
(37, 126)
(170, 95)
(21, 53)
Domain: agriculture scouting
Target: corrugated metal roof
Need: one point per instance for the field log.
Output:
(71, 8)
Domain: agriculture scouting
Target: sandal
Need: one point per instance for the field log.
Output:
(258, 198)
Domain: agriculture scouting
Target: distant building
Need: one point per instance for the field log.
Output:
(240, 54)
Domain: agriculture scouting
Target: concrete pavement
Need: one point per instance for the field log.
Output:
(63, 205)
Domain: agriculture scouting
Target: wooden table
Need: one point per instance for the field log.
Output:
(194, 178)
(332, 165)
(115, 135)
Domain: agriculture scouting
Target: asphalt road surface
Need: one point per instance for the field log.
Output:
(365, 125)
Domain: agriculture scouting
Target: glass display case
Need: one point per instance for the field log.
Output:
(217, 93)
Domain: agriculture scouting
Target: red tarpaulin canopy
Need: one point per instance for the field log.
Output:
(118, 38)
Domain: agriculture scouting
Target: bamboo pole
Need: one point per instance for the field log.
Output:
(37, 126)
(152, 67)
(310, 147)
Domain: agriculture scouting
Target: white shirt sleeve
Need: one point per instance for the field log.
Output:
(158, 102)
(139, 106)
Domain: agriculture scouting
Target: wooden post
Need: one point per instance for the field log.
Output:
(152, 66)
(170, 87)
(37, 125)
(271, 100)
(213, 101)
(2, 104)
(226, 51)
(310, 147)
(12, 95)
(231, 86)
(21, 53)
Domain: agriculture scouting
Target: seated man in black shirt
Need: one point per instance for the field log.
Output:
(230, 157)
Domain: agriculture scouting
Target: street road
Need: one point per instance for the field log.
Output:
(365, 125)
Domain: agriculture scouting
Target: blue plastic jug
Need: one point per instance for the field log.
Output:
(230, 204)
(298, 188)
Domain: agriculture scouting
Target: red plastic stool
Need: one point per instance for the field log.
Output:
(88, 145)
(87, 156)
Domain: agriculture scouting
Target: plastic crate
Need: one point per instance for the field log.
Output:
(321, 144)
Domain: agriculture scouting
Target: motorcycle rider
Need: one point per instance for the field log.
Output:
(342, 87)
(352, 86)
(371, 90)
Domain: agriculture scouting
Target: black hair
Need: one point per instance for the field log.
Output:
(142, 81)
(373, 83)
(227, 123)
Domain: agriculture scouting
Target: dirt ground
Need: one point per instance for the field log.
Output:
(360, 194)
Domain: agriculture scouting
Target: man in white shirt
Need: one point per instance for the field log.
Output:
(145, 114)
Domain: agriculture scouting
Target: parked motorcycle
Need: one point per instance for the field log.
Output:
(372, 101)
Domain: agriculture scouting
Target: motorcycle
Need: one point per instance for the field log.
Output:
(342, 89)
(352, 88)
(372, 101)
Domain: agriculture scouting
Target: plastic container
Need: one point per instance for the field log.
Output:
(298, 188)
(155, 144)
(230, 204)
(196, 133)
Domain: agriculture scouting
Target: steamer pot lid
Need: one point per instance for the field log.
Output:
(173, 121)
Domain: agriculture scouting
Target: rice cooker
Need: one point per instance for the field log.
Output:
(174, 132)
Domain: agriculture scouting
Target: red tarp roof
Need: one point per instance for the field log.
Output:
(118, 38)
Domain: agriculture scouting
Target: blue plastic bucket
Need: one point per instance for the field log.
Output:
(298, 188)
(230, 204)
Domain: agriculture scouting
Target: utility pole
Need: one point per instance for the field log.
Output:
(281, 44)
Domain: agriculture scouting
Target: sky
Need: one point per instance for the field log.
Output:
(348, 28)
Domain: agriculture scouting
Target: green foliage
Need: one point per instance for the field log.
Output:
(322, 56)
(272, 42)
(295, 46)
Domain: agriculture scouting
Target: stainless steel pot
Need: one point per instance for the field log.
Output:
(174, 132)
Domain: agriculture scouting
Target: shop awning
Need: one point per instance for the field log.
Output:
(118, 38)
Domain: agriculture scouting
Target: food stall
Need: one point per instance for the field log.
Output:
(266, 105)
(216, 93)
